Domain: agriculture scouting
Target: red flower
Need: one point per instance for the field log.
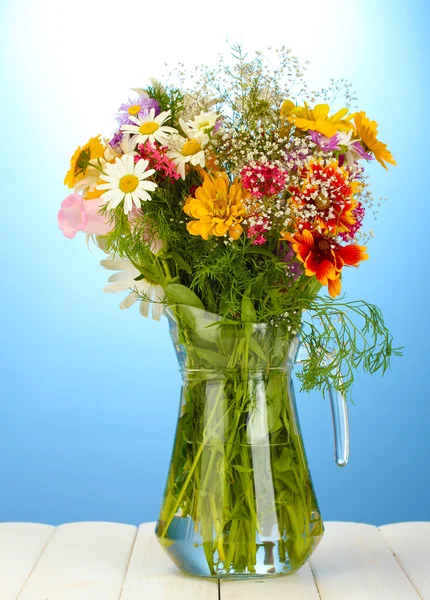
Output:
(324, 257)
(325, 196)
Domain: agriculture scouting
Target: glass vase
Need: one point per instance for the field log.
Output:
(239, 500)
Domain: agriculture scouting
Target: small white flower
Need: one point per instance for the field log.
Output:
(203, 123)
(126, 182)
(149, 127)
(125, 279)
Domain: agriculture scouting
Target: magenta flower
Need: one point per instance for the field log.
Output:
(137, 107)
(77, 214)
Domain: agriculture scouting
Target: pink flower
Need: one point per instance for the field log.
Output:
(158, 160)
(257, 229)
(263, 179)
(77, 214)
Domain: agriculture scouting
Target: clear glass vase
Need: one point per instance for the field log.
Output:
(239, 500)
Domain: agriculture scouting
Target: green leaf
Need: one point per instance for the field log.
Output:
(263, 251)
(257, 349)
(213, 358)
(242, 469)
(240, 514)
(288, 479)
(248, 312)
(180, 261)
(180, 294)
(149, 274)
(227, 338)
(285, 462)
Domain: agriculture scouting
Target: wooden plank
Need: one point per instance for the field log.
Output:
(410, 543)
(299, 586)
(84, 561)
(353, 562)
(152, 576)
(21, 545)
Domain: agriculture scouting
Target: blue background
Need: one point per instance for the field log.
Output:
(89, 393)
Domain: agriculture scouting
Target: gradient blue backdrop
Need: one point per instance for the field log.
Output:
(89, 394)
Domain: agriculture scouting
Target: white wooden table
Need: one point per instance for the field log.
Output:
(110, 561)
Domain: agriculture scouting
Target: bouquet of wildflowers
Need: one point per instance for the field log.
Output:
(235, 197)
(235, 189)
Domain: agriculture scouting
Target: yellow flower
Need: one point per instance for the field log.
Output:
(317, 118)
(367, 131)
(287, 108)
(218, 207)
(81, 158)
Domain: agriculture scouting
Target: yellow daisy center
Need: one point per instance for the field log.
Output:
(191, 147)
(134, 110)
(128, 183)
(148, 127)
(204, 124)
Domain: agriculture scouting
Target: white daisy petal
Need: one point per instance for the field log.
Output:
(140, 168)
(104, 186)
(128, 301)
(136, 199)
(116, 287)
(144, 308)
(120, 164)
(128, 203)
(149, 186)
(147, 174)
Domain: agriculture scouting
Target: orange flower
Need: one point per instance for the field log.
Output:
(367, 131)
(323, 257)
(218, 207)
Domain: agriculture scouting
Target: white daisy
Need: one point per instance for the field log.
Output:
(126, 181)
(203, 123)
(125, 279)
(149, 127)
(189, 149)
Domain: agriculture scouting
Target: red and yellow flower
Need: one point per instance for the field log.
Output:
(218, 207)
(324, 258)
(325, 197)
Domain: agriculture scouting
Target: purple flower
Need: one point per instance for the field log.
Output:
(137, 107)
(358, 149)
(116, 139)
(217, 126)
(325, 143)
(287, 255)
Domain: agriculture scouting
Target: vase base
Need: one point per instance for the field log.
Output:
(265, 559)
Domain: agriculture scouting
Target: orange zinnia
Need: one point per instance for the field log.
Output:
(323, 257)
(218, 207)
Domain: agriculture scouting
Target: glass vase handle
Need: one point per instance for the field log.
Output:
(339, 412)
